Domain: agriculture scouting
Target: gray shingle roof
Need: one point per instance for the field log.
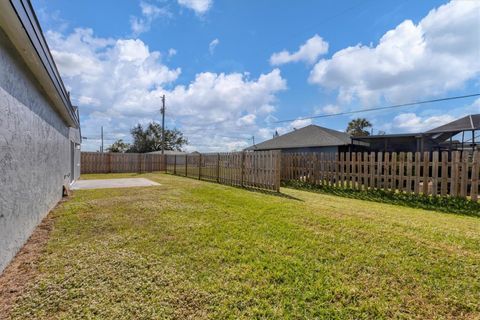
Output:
(309, 136)
(471, 122)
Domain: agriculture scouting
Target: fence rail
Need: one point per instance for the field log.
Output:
(246, 169)
(436, 174)
(95, 162)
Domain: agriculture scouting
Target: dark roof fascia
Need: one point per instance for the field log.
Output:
(29, 21)
(383, 136)
(256, 148)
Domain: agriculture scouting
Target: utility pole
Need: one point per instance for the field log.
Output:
(163, 123)
(101, 148)
(253, 140)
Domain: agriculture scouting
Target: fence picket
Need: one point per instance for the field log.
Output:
(393, 183)
(475, 173)
(454, 174)
(408, 185)
(401, 168)
(464, 175)
(365, 163)
(426, 170)
(354, 170)
(95, 162)
(386, 171)
(379, 173)
(435, 173)
(416, 186)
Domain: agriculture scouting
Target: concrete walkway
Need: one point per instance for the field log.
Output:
(112, 183)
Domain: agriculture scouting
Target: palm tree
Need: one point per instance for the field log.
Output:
(356, 127)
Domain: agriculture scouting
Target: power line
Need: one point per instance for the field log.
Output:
(380, 108)
(321, 22)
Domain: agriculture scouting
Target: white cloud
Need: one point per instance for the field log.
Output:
(412, 61)
(172, 52)
(224, 99)
(199, 6)
(150, 12)
(118, 83)
(308, 52)
(410, 122)
(89, 101)
(475, 107)
(213, 45)
(248, 119)
(300, 123)
(220, 112)
(328, 109)
(267, 133)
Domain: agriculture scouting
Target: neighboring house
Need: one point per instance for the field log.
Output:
(311, 138)
(460, 134)
(39, 129)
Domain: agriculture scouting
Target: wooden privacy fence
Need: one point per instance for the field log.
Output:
(438, 174)
(96, 162)
(246, 169)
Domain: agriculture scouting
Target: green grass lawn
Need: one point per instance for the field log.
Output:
(192, 249)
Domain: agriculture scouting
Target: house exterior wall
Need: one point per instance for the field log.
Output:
(74, 136)
(35, 152)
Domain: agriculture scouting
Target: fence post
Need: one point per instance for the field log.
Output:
(218, 167)
(109, 157)
(475, 171)
(199, 166)
(464, 175)
(144, 163)
(186, 165)
(372, 171)
(139, 163)
(444, 181)
(174, 164)
(242, 168)
(278, 172)
(435, 173)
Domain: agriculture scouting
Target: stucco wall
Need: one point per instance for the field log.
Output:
(34, 153)
(75, 137)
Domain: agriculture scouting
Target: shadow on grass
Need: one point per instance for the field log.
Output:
(270, 193)
(251, 189)
(453, 205)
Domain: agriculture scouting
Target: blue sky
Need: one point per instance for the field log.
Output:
(230, 69)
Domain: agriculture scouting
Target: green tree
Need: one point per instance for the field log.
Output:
(119, 146)
(149, 139)
(357, 127)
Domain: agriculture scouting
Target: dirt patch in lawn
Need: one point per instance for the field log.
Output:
(24, 267)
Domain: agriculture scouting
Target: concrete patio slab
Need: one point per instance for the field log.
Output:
(112, 183)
